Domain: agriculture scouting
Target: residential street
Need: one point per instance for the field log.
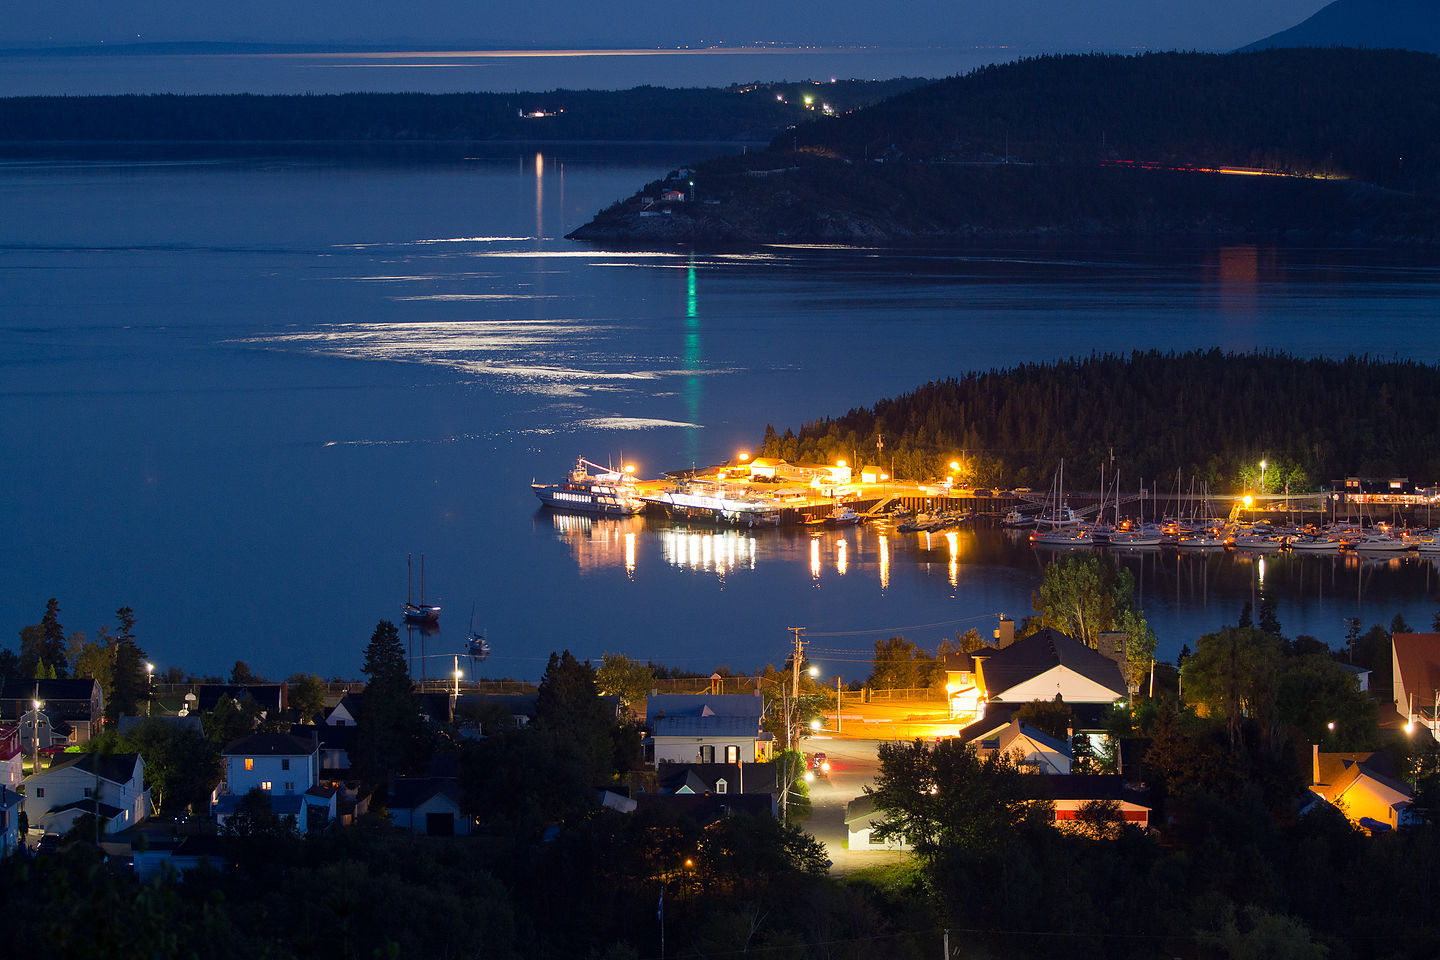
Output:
(853, 765)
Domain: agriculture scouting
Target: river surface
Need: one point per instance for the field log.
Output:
(237, 392)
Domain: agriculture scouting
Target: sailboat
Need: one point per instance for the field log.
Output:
(475, 643)
(421, 612)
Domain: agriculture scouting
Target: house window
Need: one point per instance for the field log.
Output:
(284, 763)
(721, 786)
(249, 763)
(39, 793)
(732, 754)
(266, 785)
(89, 792)
(290, 787)
(707, 753)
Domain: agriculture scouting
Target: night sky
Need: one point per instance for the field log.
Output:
(1061, 24)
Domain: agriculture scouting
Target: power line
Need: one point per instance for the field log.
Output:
(918, 626)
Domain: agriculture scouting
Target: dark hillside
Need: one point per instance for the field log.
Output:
(1377, 24)
(1325, 144)
(751, 112)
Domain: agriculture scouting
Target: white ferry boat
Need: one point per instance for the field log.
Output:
(607, 492)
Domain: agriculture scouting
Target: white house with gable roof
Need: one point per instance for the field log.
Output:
(707, 728)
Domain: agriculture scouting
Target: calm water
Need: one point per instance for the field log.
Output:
(237, 393)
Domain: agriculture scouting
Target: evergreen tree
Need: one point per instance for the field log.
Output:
(130, 684)
(1269, 621)
(388, 732)
(568, 705)
(53, 652)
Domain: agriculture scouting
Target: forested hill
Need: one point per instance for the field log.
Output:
(1208, 414)
(751, 112)
(1377, 24)
(1369, 115)
(1097, 144)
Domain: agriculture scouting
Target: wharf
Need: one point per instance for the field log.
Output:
(713, 497)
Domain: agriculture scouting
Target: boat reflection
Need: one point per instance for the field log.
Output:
(1177, 588)
(597, 542)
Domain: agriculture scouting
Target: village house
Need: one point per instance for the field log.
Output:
(1415, 666)
(861, 818)
(286, 769)
(1364, 788)
(11, 756)
(1070, 793)
(1035, 751)
(1045, 665)
(428, 805)
(72, 710)
(111, 786)
(11, 803)
(272, 698)
(706, 728)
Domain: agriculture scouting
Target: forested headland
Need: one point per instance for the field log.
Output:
(1208, 414)
(1328, 142)
(753, 112)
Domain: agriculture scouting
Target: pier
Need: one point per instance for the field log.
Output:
(774, 493)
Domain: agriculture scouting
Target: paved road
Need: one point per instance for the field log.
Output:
(853, 765)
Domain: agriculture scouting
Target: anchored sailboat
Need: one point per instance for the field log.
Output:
(421, 612)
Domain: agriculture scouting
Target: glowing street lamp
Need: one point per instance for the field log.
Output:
(149, 686)
(1262, 476)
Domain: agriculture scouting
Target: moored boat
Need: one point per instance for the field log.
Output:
(421, 612)
(1015, 520)
(607, 492)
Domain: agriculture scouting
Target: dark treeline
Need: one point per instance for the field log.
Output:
(1211, 415)
(1363, 114)
(644, 113)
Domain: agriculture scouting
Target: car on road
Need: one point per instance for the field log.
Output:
(819, 763)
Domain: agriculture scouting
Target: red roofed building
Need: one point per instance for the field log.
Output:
(1415, 660)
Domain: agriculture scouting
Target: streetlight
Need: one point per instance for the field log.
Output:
(35, 736)
(1262, 476)
(149, 686)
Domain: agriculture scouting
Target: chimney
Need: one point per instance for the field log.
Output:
(1005, 632)
(1111, 645)
(1314, 763)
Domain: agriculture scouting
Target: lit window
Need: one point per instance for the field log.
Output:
(249, 763)
(266, 785)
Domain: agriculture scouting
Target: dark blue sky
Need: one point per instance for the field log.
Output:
(1061, 24)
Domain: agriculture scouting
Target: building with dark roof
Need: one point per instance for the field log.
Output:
(74, 707)
(284, 767)
(110, 785)
(706, 728)
(272, 698)
(428, 805)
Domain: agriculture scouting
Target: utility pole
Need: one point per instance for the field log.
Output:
(837, 703)
(795, 661)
